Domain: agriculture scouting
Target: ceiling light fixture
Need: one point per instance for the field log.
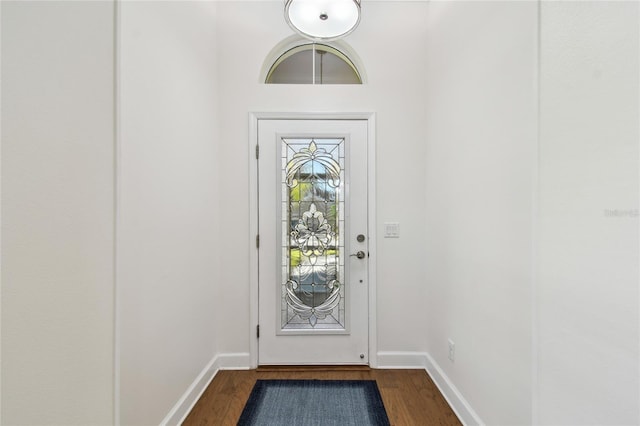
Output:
(322, 20)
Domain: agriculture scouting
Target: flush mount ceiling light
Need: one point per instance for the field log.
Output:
(322, 20)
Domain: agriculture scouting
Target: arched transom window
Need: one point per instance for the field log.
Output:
(313, 63)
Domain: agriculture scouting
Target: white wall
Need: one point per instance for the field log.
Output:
(169, 204)
(459, 166)
(58, 208)
(549, 335)
(480, 152)
(388, 34)
(588, 272)
(57, 212)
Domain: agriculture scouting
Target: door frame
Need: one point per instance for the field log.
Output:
(254, 118)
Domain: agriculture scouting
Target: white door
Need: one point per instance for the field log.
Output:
(313, 255)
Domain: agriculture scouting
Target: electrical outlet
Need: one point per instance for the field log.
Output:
(452, 350)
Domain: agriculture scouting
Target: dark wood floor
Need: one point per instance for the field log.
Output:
(409, 396)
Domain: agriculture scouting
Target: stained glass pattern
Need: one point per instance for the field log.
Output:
(313, 295)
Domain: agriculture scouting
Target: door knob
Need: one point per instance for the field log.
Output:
(359, 255)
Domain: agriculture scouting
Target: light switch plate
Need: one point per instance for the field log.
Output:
(392, 230)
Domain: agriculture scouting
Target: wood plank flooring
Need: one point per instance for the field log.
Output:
(409, 396)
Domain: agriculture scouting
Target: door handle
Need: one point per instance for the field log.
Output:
(359, 255)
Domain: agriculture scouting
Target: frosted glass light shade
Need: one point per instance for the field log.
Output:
(322, 19)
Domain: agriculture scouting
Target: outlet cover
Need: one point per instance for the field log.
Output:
(452, 350)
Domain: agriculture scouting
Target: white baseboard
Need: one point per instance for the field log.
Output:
(456, 401)
(234, 361)
(422, 360)
(406, 360)
(402, 360)
(183, 407)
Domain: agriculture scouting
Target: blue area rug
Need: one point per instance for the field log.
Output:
(314, 403)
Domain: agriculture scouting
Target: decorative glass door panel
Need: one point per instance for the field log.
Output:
(312, 224)
(312, 210)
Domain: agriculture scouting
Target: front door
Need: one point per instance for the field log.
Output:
(313, 255)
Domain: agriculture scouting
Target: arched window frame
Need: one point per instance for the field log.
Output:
(275, 56)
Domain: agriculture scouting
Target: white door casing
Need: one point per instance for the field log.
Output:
(297, 324)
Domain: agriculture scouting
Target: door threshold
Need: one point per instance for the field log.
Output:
(263, 368)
